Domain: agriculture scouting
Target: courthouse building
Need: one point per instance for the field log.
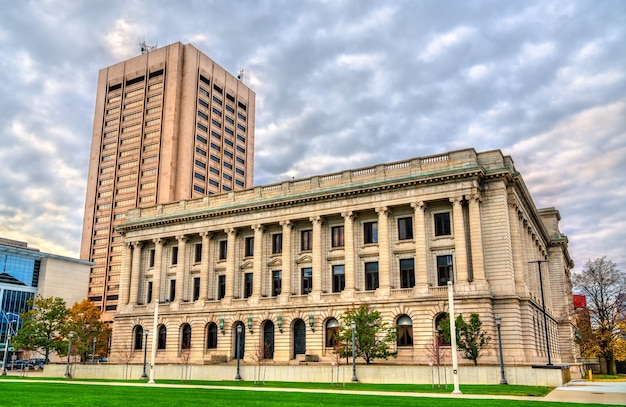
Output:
(286, 260)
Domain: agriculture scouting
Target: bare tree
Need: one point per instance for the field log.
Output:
(259, 357)
(436, 357)
(126, 355)
(604, 287)
(185, 356)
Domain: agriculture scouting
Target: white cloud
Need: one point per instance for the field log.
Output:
(442, 43)
(123, 40)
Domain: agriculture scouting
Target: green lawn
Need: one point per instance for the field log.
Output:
(28, 393)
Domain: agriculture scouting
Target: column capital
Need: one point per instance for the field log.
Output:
(182, 238)
(286, 223)
(383, 210)
(349, 215)
(158, 241)
(476, 197)
(137, 244)
(231, 231)
(206, 234)
(258, 227)
(457, 200)
(317, 219)
(418, 205)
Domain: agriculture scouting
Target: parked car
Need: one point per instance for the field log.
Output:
(19, 365)
(38, 362)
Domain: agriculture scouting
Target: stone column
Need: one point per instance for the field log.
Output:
(204, 266)
(316, 254)
(180, 268)
(257, 276)
(421, 246)
(125, 277)
(134, 275)
(230, 264)
(516, 246)
(460, 247)
(156, 272)
(384, 273)
(349, 263)
(476, 238)
(286, 261)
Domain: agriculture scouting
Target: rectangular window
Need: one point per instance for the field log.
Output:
(214, 183)
(203, 115)
(241, 138)
(202, 127)
(339, 278)
(239, 171)
(247, 289)
(277, 243)
(228, 165)
(405, 228)
(196, 288)
(174, 255)
(230, 120)
(221, 287)
(442, 224)
(215, 147)
(240, 127)
(337, 236)
(223, 246)
(214, 170)
(214, 158)
(407, 273)
(217, 100)
(200, 164)
(216, 111)
(198, 253)
(230, 109)
(277, 282)
(240, 160)
(444, 270)
(199, 176)
(203, 103)
(306, 240)
(241, 149)
(149, 296)
(200, 151)
(240, 183)
(172, 290)
(151, 258)
(228, 142)
(201, 139)
(228, 154)
(249, 249)
(307, 280)
(370, 232)
(371, 275)
(216, 135)
(198, 189)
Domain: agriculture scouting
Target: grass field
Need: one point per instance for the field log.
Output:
(30, 393)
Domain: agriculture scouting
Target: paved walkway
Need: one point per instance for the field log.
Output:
(610, 393)
(590, 392)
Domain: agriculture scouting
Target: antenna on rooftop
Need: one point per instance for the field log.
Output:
(147, 48)
(240, 76)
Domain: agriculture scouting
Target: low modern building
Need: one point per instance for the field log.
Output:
(284, 262)
(26, 272)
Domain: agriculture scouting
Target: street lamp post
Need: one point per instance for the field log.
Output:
(353, 327)
(155, 334)
(69, 351)
(93, 352)
(455, 362)
(145, 354)
(6, 349)
(238, 350)
(502, 377)
(545, 315)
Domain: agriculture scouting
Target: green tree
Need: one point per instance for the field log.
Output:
(604, 287)
(85, 324)
(41, 325)
(470, 338)
(373, 337)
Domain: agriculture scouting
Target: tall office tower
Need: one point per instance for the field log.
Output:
(169, 125)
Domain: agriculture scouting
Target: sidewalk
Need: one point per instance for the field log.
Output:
(613, 393)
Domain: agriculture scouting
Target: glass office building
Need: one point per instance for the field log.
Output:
(26, 272)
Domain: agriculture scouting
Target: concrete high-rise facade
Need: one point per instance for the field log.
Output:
(169, 125)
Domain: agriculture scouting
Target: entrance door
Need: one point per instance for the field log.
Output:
(299, 338)
(268, 340)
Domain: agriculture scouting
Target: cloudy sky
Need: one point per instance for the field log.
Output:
(339, 84)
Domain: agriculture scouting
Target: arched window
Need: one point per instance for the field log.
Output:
(162, 337)
(440, 321)
(405, 331)
(185, 343)
(138, 337)
(211, 336)
(332, 329)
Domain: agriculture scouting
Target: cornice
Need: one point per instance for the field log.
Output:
(342, 191)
